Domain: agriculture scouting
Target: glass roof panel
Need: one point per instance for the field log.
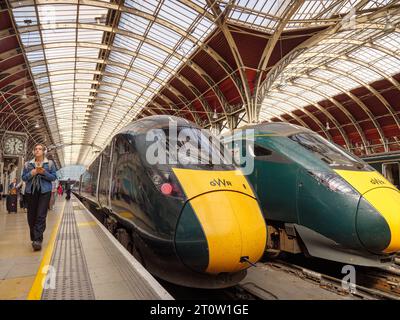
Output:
(390, 41)
(95, 65)
(340, 62)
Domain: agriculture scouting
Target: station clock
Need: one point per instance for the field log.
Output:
(14, 145)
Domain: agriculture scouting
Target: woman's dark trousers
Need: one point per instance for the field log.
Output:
(38, 204)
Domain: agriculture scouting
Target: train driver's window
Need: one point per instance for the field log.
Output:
(261, 152)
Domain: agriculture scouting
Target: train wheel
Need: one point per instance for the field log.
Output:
(124, 238)
(111, 225)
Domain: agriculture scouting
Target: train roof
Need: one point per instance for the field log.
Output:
(277, 128)
(156, 122)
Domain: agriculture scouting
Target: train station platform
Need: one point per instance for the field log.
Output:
(80, 260)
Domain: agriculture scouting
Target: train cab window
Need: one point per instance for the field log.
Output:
(329, 152)
(104, 175)
(260, 151)
(391, 172)
(192, 147)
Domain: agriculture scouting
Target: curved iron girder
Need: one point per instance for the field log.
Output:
(294, 116)
(39, 134)
(387, 77)
(363, 84)
(6, 34)
(123, 9)
(16, 115)
(10, 54)
(341, 108)
(55, 83)
(323, 35)
(23, 110)
(326, 113)
(209, 50)
(50, 134)
(306, 112)
(104, 28)
(183, 99)
(206, 78)
(292, 9)
(220, 21)
(368, 86)
(14, 94)
(12, 71)
(228, 69)
(211, 83)
(69, 144)
(178, 94)
(357, 101)
(197, 94)
(189, 85)
(104, 73)
(204, 75)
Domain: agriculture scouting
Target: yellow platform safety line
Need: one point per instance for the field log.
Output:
(37, 287)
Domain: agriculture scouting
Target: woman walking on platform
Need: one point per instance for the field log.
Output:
(22, 201)
(38, 175)
(12, 197)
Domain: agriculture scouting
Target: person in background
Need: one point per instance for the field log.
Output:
(38, 175)
(12, 197)
(59, 189)
(53, 195)
(1, 191)
(68, 189)
(22, 201)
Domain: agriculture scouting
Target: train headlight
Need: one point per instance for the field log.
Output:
(333, 181)
(166, 183)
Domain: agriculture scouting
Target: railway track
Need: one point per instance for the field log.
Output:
(371, 283)
(376, 284)
(385, 279)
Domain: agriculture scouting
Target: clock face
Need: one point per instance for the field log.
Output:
(14, 146)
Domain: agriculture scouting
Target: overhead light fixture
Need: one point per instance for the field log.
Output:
(37, 125)
(328, 126)
(24, 96)
(215, 115)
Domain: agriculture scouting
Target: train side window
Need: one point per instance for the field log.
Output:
(391, 172)
(104, 176)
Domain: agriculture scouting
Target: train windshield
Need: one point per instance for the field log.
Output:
(188, 147)
(327, 151)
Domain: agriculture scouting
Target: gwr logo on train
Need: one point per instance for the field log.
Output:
(377, 181)
(220, 183)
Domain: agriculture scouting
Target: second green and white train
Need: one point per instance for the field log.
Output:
(317, 198)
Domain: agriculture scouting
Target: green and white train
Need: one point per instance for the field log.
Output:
(318, 199)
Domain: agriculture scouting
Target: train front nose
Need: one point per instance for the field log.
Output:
(378, 220)
(219, 230)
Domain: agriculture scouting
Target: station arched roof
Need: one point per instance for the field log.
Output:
(97, 65)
